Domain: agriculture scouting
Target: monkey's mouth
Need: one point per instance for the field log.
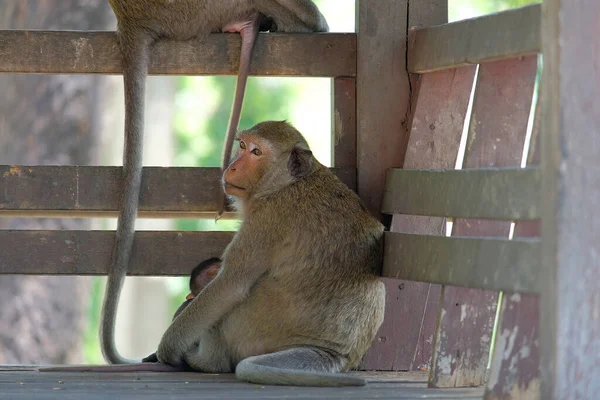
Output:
(227, 184)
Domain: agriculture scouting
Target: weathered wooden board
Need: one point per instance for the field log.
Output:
(412, 307)
(470, 193)
(382, 94)
(160, 253)
(25, 385)
(344, 123)
(82, 191)
(514, 372)
(290, 54)
(484, 263)
(507, 34)
(570, 303)
(497, 130)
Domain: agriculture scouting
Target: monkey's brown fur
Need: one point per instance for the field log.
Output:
(140, 23)
(298, 295)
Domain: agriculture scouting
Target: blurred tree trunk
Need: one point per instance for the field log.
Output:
(47, 120)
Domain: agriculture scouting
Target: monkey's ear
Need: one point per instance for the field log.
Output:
(300, 162)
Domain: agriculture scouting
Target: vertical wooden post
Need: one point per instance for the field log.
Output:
(384, 96)
(570, 302)
(343, 119)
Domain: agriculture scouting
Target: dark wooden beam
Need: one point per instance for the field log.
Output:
(74, 52)
(490, 193)
(160, 253)
(402, 340)
(507, 34)
(483, 263)
(84, 192)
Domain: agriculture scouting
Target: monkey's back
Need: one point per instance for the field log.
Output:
(322, 288)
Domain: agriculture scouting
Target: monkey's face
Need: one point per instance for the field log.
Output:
(248, 167)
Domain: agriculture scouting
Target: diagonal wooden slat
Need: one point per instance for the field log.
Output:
(83, 191)
(155, 253)
(490, 193)
(507, 34)
(497, 129)
(75, 52)
(484, 263)
(514, 371)
(406, 335)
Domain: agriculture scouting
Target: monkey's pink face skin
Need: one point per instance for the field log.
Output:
(249, 166)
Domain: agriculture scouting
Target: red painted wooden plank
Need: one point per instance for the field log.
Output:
(405, 338)
(497, 131)
(515, 364)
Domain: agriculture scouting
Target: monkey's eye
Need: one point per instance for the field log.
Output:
(256, 152)
(242, 145)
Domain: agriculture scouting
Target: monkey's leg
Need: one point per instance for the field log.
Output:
(212, 354)
(300, 366)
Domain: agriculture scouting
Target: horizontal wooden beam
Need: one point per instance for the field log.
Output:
(483, 263)
(507, 34)
(74, 52)
(161, 253)
(84, 192)
(506, 194)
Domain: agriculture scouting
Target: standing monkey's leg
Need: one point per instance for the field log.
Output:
(300, 366)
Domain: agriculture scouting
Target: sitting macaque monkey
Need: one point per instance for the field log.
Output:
(298, 297)
(201, 276)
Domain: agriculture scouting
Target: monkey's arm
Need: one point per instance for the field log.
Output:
(243, 264)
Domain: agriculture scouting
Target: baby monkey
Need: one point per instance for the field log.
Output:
(201, 276)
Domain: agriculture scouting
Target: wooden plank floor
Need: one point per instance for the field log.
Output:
(23, 382)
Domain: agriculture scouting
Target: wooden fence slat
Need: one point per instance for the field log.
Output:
(570, 302)
(514, 372)
(507, 34)
(484, 263)
(82, 191)
(159, 253)
(497, 130)
(406, 336)
(467, 193)
(74, 52)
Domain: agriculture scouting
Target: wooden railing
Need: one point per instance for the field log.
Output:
(450, 324)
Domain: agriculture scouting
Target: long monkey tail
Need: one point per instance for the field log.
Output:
(248, 35)
(135, 53)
